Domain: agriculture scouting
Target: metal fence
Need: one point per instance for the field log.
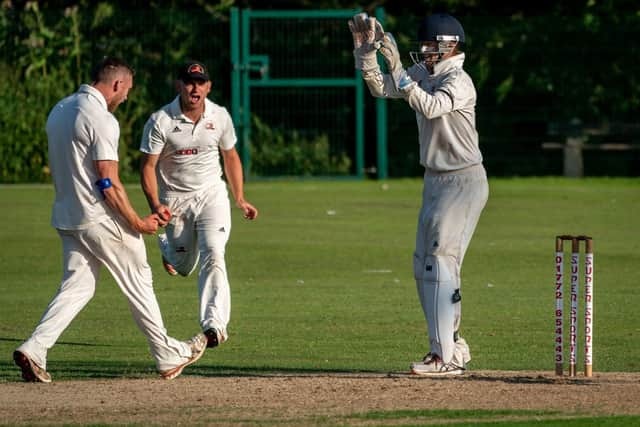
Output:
(297, 101)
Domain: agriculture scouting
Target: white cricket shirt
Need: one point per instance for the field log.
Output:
(189, 153)
(445, 112)
(80, 130)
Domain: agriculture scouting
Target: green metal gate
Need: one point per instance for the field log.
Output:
(297, 103)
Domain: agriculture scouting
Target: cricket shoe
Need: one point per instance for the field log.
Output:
(31, 372)
(163, 243)
(198, 345)
(432, 366)
(214, 338)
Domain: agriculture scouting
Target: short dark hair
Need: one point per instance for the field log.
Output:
(106, 69)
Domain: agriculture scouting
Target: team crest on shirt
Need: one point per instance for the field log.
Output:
(209, 126)
(176, 129)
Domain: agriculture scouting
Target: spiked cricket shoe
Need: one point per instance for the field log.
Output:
(31, 372)
(214, 338)
(198, 345)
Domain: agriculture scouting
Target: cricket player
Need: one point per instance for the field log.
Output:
(455, 190)
(98, 226)
(181, 174)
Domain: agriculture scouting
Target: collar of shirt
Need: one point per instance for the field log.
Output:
(448, 64)
(176, 110)
(90, 90)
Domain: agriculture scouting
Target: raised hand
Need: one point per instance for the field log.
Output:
(367, 34)
(391, 55)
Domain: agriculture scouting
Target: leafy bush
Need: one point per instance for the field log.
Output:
(47, 52)
(23, 112)
(277, 152)
(39, 73)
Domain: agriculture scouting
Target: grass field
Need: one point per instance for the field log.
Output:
(322, 281)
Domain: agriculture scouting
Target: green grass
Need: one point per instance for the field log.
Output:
(476, 418)
(322, 281)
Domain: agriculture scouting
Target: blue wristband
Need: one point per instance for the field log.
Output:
(103, 184)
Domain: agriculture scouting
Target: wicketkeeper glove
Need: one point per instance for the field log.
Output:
(389, 50)
(391, 55)
(367, 33)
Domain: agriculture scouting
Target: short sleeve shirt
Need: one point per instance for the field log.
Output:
(189, 153)
(80, 130)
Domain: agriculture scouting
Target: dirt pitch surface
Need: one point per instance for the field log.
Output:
(315, 399)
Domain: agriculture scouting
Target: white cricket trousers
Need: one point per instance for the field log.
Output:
(198, 231)
(122, 251)
(451, 207)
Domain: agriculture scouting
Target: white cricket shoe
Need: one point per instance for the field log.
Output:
(198, 345)
(432, 366)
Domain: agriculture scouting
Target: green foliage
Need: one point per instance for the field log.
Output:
(23, 152)
(42, 73)
(503, 89)
(532, 64)
(286, 152)
(47, 52)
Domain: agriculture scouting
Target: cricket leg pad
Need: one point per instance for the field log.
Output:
(439, 295)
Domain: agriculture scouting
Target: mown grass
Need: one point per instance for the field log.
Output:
(476, 418)
(322, 281)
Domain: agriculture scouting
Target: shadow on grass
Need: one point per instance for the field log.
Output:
(101, 369)
(77, 370)
(81, 344)
(110, 369)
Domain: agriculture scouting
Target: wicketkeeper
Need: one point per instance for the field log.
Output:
(455, 183)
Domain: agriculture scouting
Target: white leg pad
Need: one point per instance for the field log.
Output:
(461, 355)
(436, 291)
